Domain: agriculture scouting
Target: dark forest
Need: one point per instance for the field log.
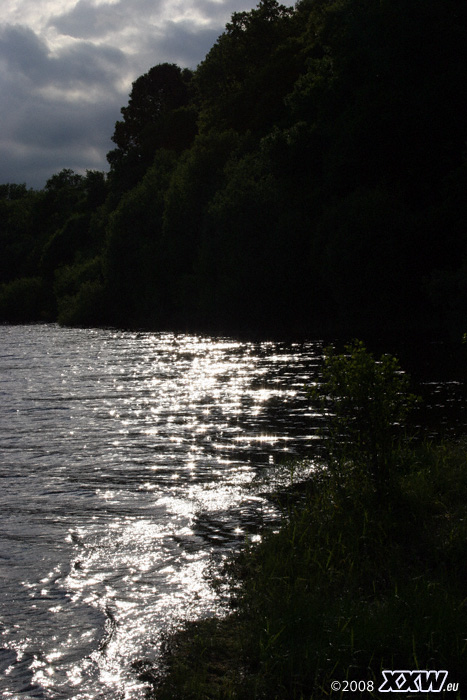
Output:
(309, 177)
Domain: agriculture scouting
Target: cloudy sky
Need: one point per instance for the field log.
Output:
(66, 68)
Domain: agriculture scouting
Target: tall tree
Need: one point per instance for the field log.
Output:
(158, 115)
(254, 63)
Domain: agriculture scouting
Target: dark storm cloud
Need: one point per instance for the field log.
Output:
(24, 55)
(21, 50)
(86, 20)
(56, 110)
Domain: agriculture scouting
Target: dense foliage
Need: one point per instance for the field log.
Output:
(309, 176)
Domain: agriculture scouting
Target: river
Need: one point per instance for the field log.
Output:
(129, 467)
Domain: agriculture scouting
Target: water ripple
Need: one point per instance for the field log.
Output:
(127, 462)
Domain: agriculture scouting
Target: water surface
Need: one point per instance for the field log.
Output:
(128, 464)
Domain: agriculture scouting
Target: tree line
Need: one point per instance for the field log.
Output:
(309, 177)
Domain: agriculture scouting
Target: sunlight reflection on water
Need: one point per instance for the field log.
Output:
(129, 465)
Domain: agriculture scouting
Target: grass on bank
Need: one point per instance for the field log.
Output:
(368, 571)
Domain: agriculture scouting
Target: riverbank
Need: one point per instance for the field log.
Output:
(367, 573)
(343, 591)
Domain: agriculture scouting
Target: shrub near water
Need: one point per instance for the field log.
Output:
(367, 402)
(361, 577)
